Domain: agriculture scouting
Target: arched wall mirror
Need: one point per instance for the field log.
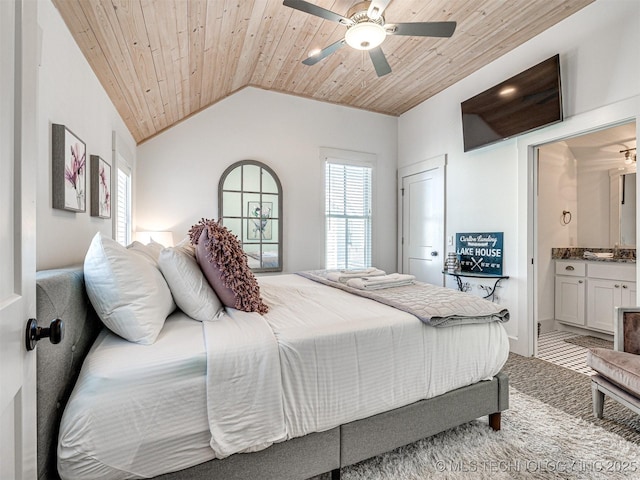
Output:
(250, 205)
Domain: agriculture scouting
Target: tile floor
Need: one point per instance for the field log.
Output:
(552, 348)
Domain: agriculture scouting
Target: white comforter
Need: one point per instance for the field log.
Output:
(345, 357)
(319, 358)
(244, 389)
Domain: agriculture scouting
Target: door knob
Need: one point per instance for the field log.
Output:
(33, 333)
(434, 254)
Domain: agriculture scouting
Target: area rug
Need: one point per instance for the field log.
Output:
(537, 441)
(588, 341)
(569, 391)
(549, 431)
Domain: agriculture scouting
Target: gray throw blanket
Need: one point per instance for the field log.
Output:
(433, 305)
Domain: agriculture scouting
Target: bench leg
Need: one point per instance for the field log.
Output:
(335, 474)
(494, 420)
(598, 400)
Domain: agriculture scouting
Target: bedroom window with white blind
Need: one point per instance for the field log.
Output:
(347, 214)
(123, 210)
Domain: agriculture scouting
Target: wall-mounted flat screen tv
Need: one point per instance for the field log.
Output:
(528, 101)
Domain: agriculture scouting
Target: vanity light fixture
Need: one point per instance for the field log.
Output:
(628, 159)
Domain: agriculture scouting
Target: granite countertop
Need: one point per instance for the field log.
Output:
(621, 255)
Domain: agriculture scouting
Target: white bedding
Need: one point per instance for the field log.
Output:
(346, 357)
(244, 388)
(341, 358)
(137, 410)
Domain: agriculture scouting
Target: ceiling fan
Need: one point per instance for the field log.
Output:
(366, 30)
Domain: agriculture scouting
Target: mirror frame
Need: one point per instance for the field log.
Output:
(615, 197)
(263, 168)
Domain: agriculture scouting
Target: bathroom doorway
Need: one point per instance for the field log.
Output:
(585, 202)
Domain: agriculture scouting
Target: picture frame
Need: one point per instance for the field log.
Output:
(69, 170)
(259, 224)
(100, 187)
(480, 252)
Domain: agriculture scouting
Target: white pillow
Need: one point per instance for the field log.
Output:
(149, 252)
(189, 286)
(129, 294)
(186, 247)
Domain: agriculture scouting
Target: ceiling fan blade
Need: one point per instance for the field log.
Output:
(376, 8)
(422, 29)
(379, 61)
(317, 11)
(313, 59)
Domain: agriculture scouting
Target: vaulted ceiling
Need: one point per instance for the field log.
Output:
(161, 61)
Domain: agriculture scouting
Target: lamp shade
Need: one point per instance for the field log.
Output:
(163, 238)
(365, 35)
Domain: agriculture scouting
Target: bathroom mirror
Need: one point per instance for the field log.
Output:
(623, 207)
(250, 205)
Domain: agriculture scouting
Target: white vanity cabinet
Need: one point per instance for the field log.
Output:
(587, 292)
(608, 286)
(570, 292)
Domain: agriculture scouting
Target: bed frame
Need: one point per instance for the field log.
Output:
(61, 294)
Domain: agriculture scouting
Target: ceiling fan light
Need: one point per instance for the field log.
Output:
(365, 35)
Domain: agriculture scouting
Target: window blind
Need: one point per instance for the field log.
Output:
(347, 215)
(123, 210)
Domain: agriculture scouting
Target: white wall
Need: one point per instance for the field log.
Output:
(558, 192)
(178, 171)
(69, 94)
(488, 189)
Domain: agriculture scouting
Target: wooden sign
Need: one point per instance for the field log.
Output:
(480, 252)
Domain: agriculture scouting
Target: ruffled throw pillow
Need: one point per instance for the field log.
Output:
(225, 266)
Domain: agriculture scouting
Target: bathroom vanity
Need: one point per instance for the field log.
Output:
(586, 292)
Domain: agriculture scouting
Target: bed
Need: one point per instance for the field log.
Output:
(266, 260)
(389, 373)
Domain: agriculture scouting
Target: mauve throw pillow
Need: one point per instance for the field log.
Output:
(213, 273)
(225, 266)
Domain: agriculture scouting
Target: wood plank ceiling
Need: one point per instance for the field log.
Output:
(161, 61)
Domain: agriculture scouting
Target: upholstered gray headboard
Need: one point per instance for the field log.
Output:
(60, 294)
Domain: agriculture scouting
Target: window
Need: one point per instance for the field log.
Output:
(250, 205)
(347, 214)
(123, 208)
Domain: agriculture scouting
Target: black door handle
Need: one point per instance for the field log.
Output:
(33, 333)
(434, 253)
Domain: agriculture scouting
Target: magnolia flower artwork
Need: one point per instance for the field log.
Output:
(69, 170)
(100, 187)
(259, 223)
(74, 174)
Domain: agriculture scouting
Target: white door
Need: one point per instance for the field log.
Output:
(422, 239)
(18, 148)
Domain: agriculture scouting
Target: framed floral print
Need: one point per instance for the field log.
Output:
(259, 220)
(69, 170)
(100, 187)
